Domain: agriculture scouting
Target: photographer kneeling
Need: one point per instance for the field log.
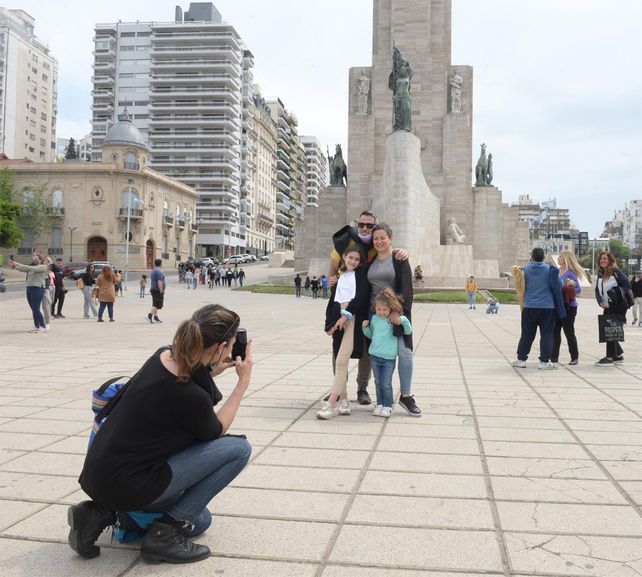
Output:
(163, 448)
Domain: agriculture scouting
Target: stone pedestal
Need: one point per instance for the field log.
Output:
(404, 200)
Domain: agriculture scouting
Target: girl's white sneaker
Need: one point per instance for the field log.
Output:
(328, 412)
(344, 407)
(377, 411)
(386, 412)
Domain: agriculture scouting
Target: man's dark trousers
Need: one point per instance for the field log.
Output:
(532, 319)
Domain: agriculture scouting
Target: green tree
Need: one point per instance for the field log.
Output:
(37, 204)
(70, 151)
(10, 234)
(618, 249)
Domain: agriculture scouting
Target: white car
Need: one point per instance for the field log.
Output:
(235, 259)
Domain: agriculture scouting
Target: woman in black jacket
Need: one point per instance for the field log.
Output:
(388, 272)
(610, 292)
(163, 448)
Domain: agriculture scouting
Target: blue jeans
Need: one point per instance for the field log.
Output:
(405, 367)
(142, 292)
(34, 298)
(199, 473)
(471, 299)
(195, 281)
(532, 319)
(383, 369)
(110, 309)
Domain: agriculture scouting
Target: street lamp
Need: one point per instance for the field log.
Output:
(71, 241)
(130, 181)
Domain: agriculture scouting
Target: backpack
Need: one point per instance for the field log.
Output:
(103, 401)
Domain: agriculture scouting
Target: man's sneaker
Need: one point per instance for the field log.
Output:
(386, 412)
(547, 366)
(344, 407)
(409, 404)
(157, 320)
(377, 411)
(87, 521)
(328, 412)
(363, 398)
(573, 362)
(519, 364)
(618, 360)
(149, 318)
(604, 362)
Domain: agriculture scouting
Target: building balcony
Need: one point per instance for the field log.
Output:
(51, 211)
(180, 223)
(103, 53)
(194, 227)
(168, 220)
(131, 165)
(193, 64)
(102, 94)
(55, 251)
(133, 213)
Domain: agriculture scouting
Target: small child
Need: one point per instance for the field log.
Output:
(143, 284)
(569, 291)
(383, 348)
(493, 306)
(189, 278)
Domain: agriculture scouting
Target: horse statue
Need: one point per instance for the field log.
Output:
(338, 168)
(481, 169)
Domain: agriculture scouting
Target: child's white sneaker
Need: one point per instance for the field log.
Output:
(386, 412)
(376, 412)
(328, 412)
(344, 407)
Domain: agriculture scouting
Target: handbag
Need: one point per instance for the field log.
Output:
(94, 292)
(611, 328)
(80, 283)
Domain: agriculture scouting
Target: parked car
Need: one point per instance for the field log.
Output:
(207, 261)
(235, 259)
(98, 267)
(73, 265)
(265, 257)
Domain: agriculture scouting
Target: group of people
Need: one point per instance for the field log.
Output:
(311, 286)
(550, 305)
(211, 275)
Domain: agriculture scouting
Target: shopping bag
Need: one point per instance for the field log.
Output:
(610, 329)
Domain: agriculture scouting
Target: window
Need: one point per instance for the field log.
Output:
(126, 75)
(127, 34)
(165, 210)
(144, 34)
(43, 116)
(56, 237)
(136, 202)
(126, 48)
(141, 102)
(56, 199)
(125, 103)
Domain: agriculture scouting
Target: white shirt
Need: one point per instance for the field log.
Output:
(346, 288)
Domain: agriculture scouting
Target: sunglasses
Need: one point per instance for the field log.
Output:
(368, 225)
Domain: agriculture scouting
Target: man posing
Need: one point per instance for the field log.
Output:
(157, 290)
(543, 305)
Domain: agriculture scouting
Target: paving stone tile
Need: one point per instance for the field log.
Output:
(330, 458)
(624, 470)
(270, 539)
(326, 441)
(47, 464)
(634, 489)
(420, 512)
(46, 426)
(417, 548)
(26, 441)
(573, 555)
(416, 428)
(48, 524)
(9, 455)
(76, 445)
(414, 445)
(553, 468)
(426, 463)
(526, 435)
(571, 519)
(342, 571)
(616, 452)
(423, 484)
(14, 511)
(35, 487)
(534, 450)
(610, 438)
(298, 479)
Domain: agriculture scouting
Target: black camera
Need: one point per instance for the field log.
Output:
(238, 350)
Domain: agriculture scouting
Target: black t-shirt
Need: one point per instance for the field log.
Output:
(157, 417)
(58, 276)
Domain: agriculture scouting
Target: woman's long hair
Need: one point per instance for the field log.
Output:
(389, 298)
(572, 264)
(108, 274)
(208, 326)
(608, 271)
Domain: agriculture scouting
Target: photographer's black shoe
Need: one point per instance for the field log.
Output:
(164, 543)
(363, 398)
(87, 521)
(409, 404)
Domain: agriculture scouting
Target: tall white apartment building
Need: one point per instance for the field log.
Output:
(316, 169)
(186, 86)
(28, 90)
(632, 225)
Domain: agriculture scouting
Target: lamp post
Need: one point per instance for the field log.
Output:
(71, 241)
(130, 181)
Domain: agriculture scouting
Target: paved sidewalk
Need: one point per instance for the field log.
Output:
(508, 472)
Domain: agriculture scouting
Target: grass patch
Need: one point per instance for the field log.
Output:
(445, 296)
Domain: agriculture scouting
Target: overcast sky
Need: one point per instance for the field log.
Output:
(557, 87)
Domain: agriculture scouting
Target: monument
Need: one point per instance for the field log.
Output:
(410, 151)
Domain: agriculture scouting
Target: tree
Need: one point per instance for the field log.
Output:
(70, 151)
(36, 209)
(617, 249)
(10, 234)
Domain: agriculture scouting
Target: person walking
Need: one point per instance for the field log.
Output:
(47, 298)
(189, 278)
(324, 286)
(143, 285)
(543, 305)
(59, 289)
(314, 286)
(471, 290)
(610, 288)
(241, 276)
(106, 293)
(571, 274)
(636, 287)
(297, 285)
(37, 272)
(384, 347)
(164, 449)
(157, 288)
(346, 309)
(306, 287)
(86, 283)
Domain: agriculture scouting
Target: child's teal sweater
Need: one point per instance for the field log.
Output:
(384, 343)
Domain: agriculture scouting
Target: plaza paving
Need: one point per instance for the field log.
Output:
(508, 472)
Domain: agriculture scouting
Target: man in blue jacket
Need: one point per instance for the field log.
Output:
(543, 305)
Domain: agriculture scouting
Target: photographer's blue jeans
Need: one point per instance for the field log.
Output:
(383, 369)
(198, 475)
(34, 298)
(405, 367)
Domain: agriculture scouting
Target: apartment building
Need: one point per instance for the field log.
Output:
(28, 90)
(290, 171)
(316, 169)
(187, 86)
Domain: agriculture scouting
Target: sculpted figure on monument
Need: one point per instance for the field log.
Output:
(481, 170)
(489, 170)
(456, 83)
(338, 168)
(399, 83)
(363, 88)
(454, 235)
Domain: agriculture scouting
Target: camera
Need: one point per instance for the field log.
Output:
(238, 350)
